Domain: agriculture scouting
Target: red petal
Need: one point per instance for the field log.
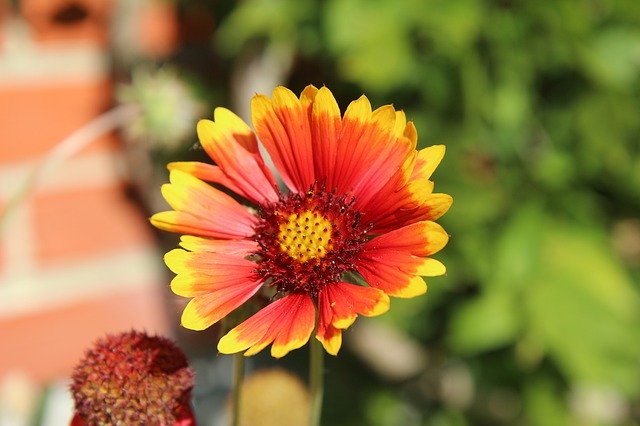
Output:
(287, 323)
(283, 127)
(233, 146)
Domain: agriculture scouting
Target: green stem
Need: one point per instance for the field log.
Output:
(65, 149)
(238, 377)
(316, 381)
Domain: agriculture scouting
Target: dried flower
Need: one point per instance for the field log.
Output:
(133, 378)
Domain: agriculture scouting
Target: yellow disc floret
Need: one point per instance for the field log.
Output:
(305, 236)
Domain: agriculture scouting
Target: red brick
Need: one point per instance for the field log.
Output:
(157, 29)
(46, 344)
(2, 249)
(84, 223)
(35, 118)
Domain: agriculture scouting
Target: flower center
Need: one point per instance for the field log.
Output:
(308, 240)
(305, 236)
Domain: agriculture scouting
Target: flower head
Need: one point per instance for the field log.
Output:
(132, 378)
(167, 107)
(353, 226)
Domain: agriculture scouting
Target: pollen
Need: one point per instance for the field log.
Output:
(305, 236)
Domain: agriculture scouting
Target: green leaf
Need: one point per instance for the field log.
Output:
(518, 249)
(585, 311)
(612, 57)
(542, 406)
(487, 322)
(371, 42)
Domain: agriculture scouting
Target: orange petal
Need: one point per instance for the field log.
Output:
(202, 210)
(218, 284)
(395, 272)
(203, 311)
(325, 128)
(419, 239)
(287, 323)
(233, 146)
(348, 300)
(200, 266)
(417, 204)
(392, 280)
(393, 196)
(330, 337)
(185, 223)
(232, 247)
(206, 172)
(283, 127)
(408, 196)
(338, 306)
(370, 150)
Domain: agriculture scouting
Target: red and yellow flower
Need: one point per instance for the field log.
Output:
(358, 208)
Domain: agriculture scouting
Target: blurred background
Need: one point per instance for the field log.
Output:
(538, 102)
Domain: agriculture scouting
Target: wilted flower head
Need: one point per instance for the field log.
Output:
(167, 107)
(132, 378)
(354, 226)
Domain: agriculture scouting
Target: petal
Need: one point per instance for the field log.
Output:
(423, 206)
(408, 196)
(427, 161)
(218, 284)
(411, 133)
(233, 146)
(185, 223)
(196, 271)
(325, 128)
(370, 152)
(338, 306)
(203, 311)
(416, 204)
(350, 147)
(329, 336)
(392, 280)
(287, 322)
(400, 124)
(346, 301)
(419, 239)
(233, 247)
(206, 172)
(390, 265)
(202, 210)
(393, 196)
(282, 124)
(308, 95)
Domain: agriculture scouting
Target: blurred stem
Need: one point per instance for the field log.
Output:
(66, 148)
(316, 382)
(238, 377)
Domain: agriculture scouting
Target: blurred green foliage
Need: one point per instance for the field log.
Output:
(538, 103)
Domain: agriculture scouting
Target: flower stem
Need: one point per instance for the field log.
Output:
(66, 148)
(238, 377)
(316, 381)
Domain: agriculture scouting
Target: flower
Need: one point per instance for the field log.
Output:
(132, 378)
(353, 226)
(167, 107)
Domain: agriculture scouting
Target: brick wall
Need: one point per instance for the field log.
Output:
(77, 256)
